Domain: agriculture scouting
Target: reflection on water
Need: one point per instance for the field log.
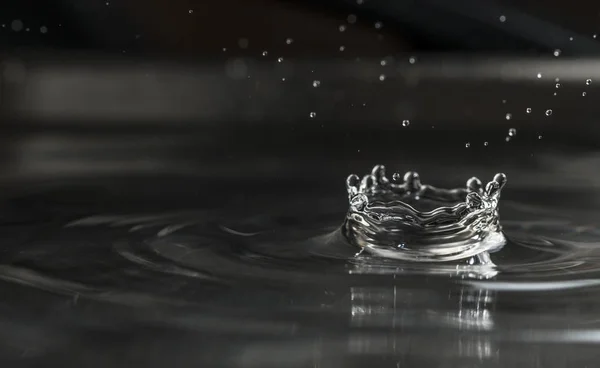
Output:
(262, 276)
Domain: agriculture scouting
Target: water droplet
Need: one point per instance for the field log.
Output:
(539, 137)
(312, 115)
(502, 18)
(548, 112)
(412, 60)
(539, 75)
(342, 28)
(557, 52)
(17, 25)
(243, 43)
(383, 62)
(289, 41)
(570, 38)
(485, 144)
(508, 116)
(283, 79)
(351, 19)
(528, 110)
(397, 177)
(189, 11)
(44, 29)
(588, 81)
(224, 49)
(512, 132)
(316, 83)
(557, 85)
(382, 77)
(583, 94)
(554, 93)
(503, 101)
(378, 25)
(467, 145)
(342, 48)
(507, 139)
(557, 79)
(264, 53)
(279, 60)
(405, 123)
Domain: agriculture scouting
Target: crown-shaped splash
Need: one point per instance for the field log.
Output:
(405, 219)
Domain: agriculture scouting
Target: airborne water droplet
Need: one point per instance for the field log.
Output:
(588, 81)
(382, 77)
(467, 145)
(316, 83)
(528, 110)
(342, 28)
(485, 144)
(557, 52)
(508, 116)
(405, 123)
(502, 18)
(264, 53)
(583, 94)
(539, 137)
(312, 115)
(512, 132)
(289, 41)
(412, 60)
(557, 85)
(279, 60)
(548, 112)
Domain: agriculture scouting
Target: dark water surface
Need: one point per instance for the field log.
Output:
(240, 264)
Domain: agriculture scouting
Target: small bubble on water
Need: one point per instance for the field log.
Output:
(412, 60)
(588, 81)
(289, 41)
(316, 83)
(539, 75)
(405, 123)
(512, 132)
(557, 52)
(583, 94)
(508, 116)
(342, 28)
(502, 18)
(382, 77)
(351, 19)
(312, 115)
(528, 110)
(378, 25)
(467, 145)
(548, 112)
(279, 60)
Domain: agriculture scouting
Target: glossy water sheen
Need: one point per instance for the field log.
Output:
(187, 272)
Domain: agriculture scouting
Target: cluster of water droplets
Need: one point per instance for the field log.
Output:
(407, 220)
